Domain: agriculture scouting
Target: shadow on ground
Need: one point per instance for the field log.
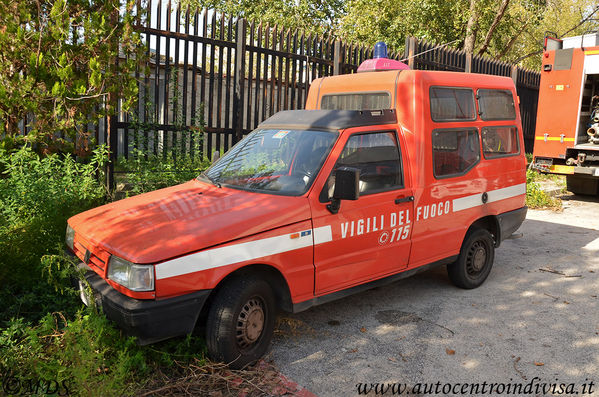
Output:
(536, 315)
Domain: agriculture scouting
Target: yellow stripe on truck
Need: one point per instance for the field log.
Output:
(541, 138)
(562, 169)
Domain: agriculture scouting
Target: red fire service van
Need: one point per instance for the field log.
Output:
(567, 130)
(389, 173)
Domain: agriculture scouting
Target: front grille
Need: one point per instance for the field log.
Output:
(96, 256)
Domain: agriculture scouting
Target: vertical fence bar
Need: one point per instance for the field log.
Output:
(293, 97)
(229, 87)
(257, 88)
(287, 56)
(280, 69)
(273, 67)
(239, 78)
(185, 86)
(211, 85)
(167, 56)
(219, 94)
(248, 108)
(303, 69)
(265, 76)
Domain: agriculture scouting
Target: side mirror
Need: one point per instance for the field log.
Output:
(347, 187)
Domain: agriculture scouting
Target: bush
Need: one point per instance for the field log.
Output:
(84, 355)
(50, 343)
(535, 196)
(37, 196)
(141, 174)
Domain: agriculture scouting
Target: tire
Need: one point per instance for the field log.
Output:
(475, 260)
(240, 322)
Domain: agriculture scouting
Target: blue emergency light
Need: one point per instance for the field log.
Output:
(380, 62)
(380, 50)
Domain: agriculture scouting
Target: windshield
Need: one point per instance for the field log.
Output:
(273, 161)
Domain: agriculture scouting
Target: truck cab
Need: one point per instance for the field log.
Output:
(386, 174)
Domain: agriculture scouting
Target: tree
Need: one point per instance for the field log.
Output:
(59, 61)
(510, 30)
(314, 16)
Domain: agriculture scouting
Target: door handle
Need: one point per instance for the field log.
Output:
(404, 199)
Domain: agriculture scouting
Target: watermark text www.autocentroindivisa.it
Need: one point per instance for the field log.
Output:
(536, 386)
(17, 385)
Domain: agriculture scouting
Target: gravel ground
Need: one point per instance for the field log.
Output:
(537, 315)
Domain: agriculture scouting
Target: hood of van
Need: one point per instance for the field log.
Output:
(166, 223)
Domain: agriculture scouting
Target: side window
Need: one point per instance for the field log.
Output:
(500, 142)
(455, 151)
(376, 156)
(452, 104)
(358, 101)
(496, 105)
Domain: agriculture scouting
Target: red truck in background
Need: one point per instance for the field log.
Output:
(567, 129)
(386, 174)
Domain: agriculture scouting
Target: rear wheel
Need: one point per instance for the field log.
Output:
(240, 322)
(475, 260)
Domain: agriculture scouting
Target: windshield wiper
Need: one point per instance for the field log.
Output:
(214, 181)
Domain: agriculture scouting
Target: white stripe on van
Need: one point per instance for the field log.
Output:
(475, 200)
(323, 234)
(236, 253)
(223, 256)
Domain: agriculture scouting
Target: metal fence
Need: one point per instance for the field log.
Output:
(222, 73)
(228, 75)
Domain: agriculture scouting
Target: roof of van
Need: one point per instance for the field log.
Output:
(389, 81)
(329, 119)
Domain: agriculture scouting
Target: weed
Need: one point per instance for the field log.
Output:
(537, 197)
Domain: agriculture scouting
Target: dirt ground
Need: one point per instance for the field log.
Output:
(534, 322)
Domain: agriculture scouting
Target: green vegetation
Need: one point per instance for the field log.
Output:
(48, 337)
(37, 195)
(141, 174)
(537, 197)
(513, 35)
(57, 66)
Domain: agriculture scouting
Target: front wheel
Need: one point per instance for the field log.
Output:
(240, 322)
(475, 260)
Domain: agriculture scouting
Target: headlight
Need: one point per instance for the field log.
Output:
(131, 276)
(70, 237)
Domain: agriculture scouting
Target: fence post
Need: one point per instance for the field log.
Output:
(337, 58)
(468, 67)
(112, 107)
(239, 79)
(111, 140)
(515, 74)
(411, 51)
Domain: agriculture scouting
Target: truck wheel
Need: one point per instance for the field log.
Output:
(240, 322)
(475, 260)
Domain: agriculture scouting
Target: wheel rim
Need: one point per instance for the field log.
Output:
(250, 323)
(476, 258)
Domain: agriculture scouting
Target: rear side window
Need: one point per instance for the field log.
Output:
(452, 104)
(356, 101)
(455, 151)
(496, 105)
(500, 142)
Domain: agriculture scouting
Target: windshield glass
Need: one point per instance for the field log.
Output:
(273, 161)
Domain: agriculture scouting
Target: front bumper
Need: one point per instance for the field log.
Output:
(148, 320)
